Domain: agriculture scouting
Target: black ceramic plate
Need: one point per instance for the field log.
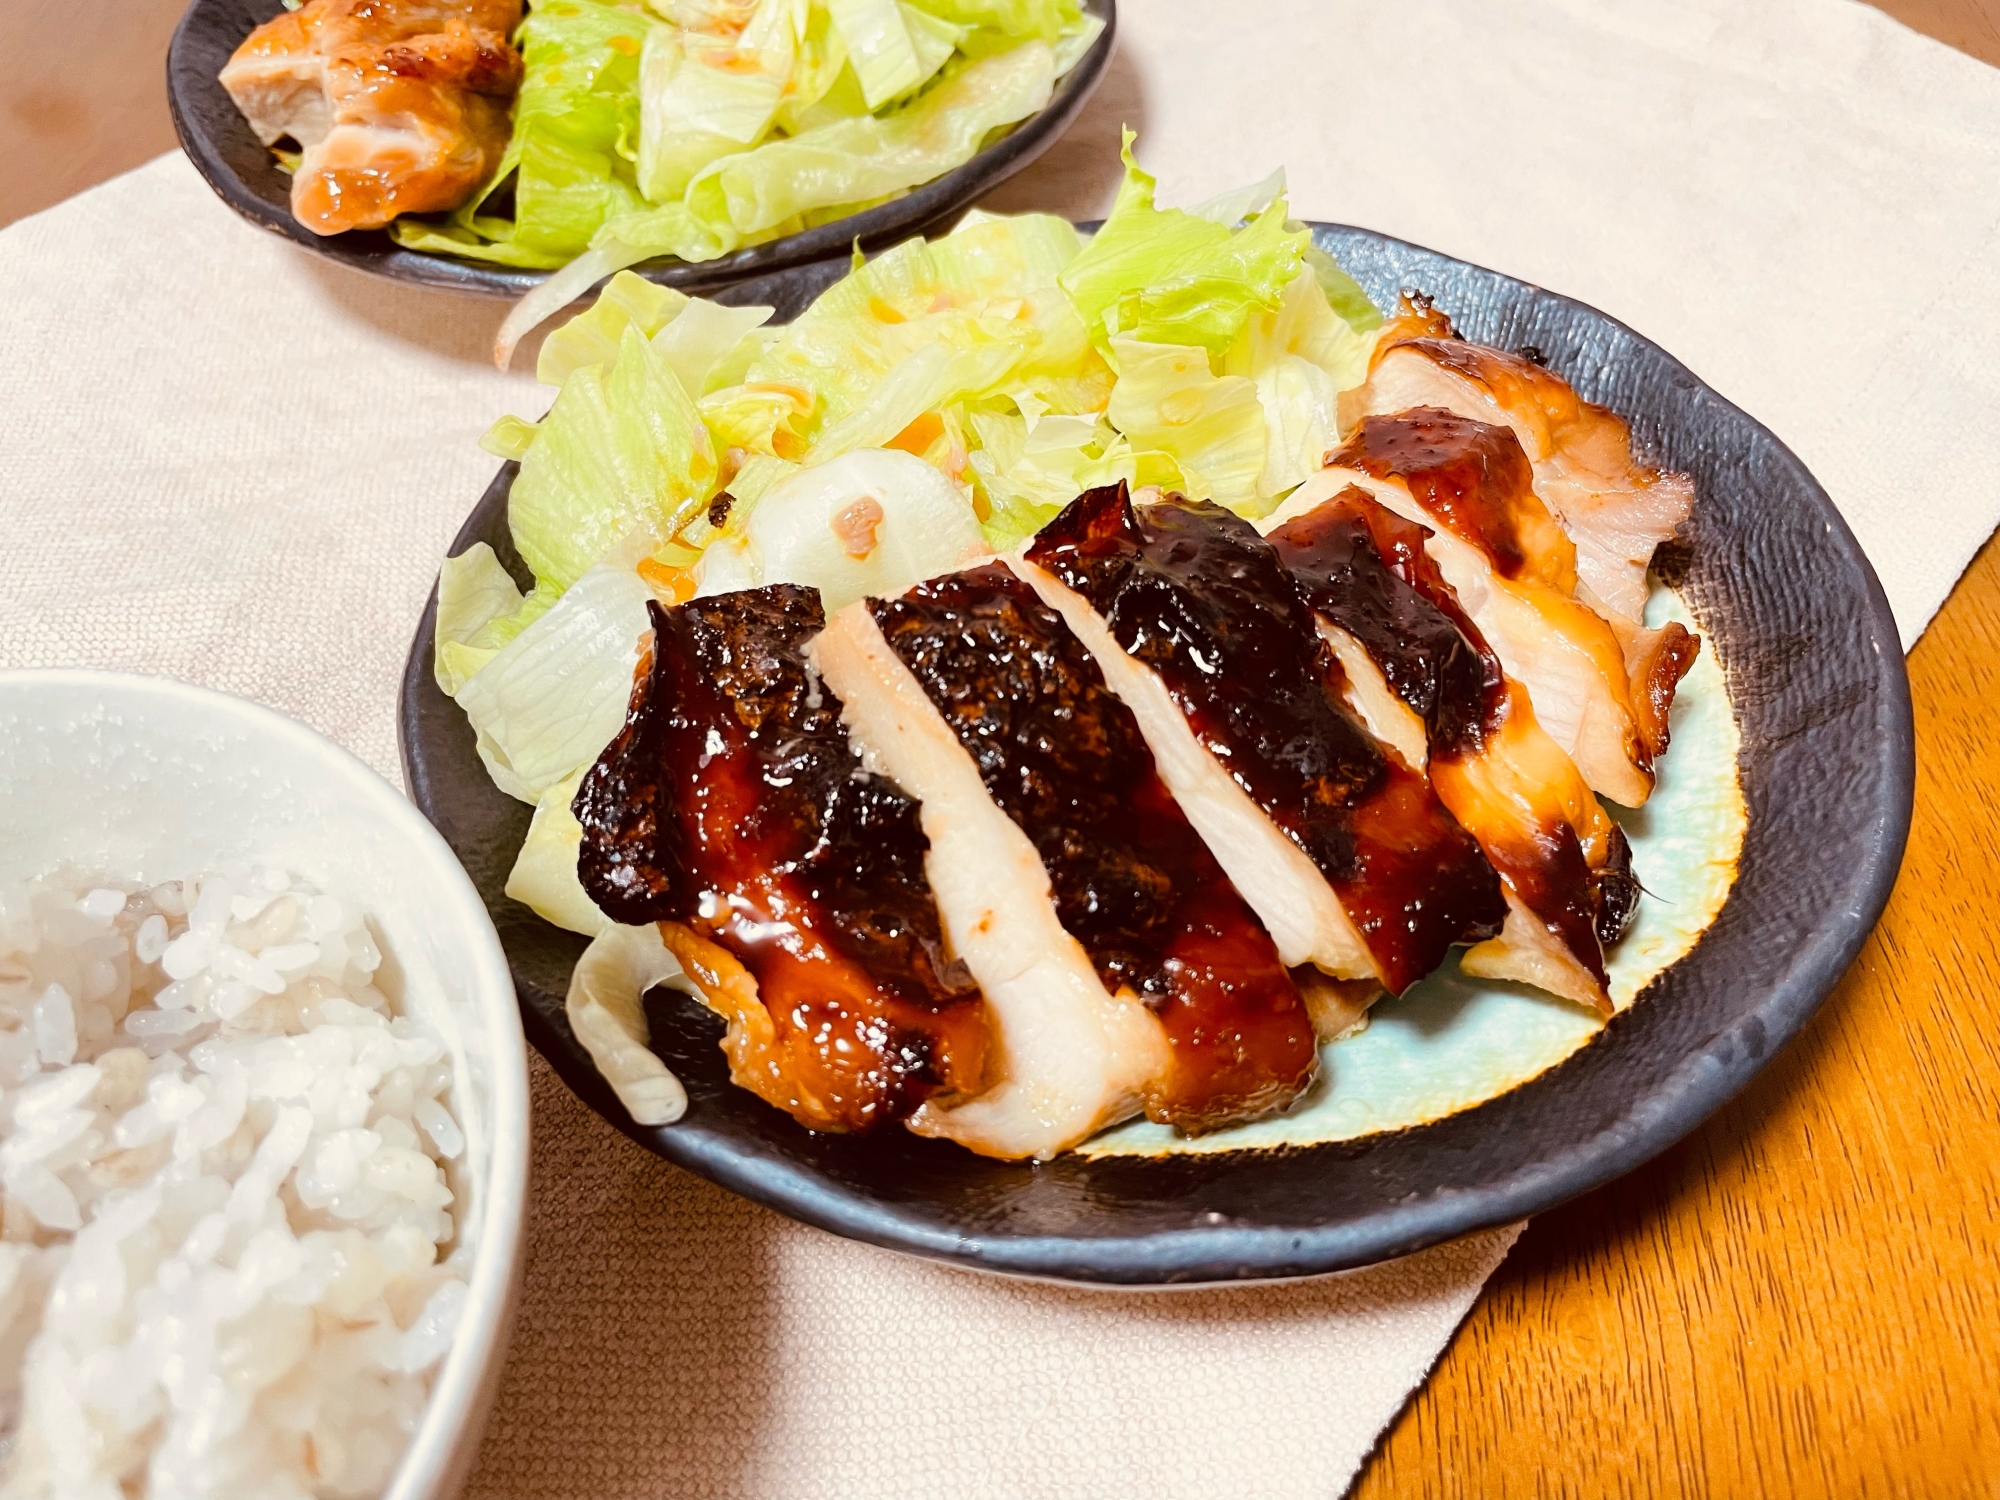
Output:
(224, 149)
(1810, 650)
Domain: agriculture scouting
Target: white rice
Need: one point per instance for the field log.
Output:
(224, 1218)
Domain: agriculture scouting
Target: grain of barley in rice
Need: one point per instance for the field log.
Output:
(227, 1253)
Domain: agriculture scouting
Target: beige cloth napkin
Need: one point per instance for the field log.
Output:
(224, 460)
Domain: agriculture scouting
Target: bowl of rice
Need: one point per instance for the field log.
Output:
(263, 1110)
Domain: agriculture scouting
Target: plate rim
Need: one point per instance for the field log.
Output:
(372, 251)
(1704, 1078)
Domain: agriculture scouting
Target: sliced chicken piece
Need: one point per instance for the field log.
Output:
(1567, 866)
(278, 78)
(1278, 878)
(1132, 880)
(787, 881)
(1192, 593)
(1656, 659)
(398, 106)
(1366, 573)
(286, 56)
(1367, 692)
(1615, 509)
(1339, 1007)
(1069, 1057)
(1513, 572)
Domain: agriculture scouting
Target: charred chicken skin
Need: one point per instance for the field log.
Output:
(787, 880)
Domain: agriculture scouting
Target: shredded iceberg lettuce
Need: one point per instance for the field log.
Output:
(745, 197)
(544, 877)
(549, 701)
(893, 48)
(699, 128)
(620, 463)
(1343, 292)
(592, 337)
(1013, 18)
(704, 94)
(480, 609)
(1171, 277)
(1301, 356)
(1211, 426)
(1200, 350)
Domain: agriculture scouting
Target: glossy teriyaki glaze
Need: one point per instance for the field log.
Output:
(1132, 881)
(1364, 568)
(1474, 479)
(1193, 592)
(789, 882)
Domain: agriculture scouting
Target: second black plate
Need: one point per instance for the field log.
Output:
(1809, 648)
(224, 149)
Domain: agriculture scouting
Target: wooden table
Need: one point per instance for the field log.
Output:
(1803, 1298)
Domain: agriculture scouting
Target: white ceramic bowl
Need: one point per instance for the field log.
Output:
(151, 778)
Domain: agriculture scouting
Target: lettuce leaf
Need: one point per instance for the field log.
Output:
(702, 95)
(719, 16)
(919, 278)
(1343, 292)
(893, 48)
(1029, 465)
(822, 87)
(932, 39)
(594, 335)
(987, 285)
(1211, 426)
(760, 417)
(1301, 356)
(1301, 425)
(1169, 277)
(549, 701)
(754, 195)
(606, 1009)
(509, 437)
(705, 337)
(930, 379)
(910, 339)
(1232, 207)
(621, 461)
(1075, 39)
(474, 590)
(988, 256)
(1042, 19)
(544, 877)
(1137, 467)
(1304, 324)
(479, 611)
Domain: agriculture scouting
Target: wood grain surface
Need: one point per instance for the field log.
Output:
(1970, 25)
(1801, 1299)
